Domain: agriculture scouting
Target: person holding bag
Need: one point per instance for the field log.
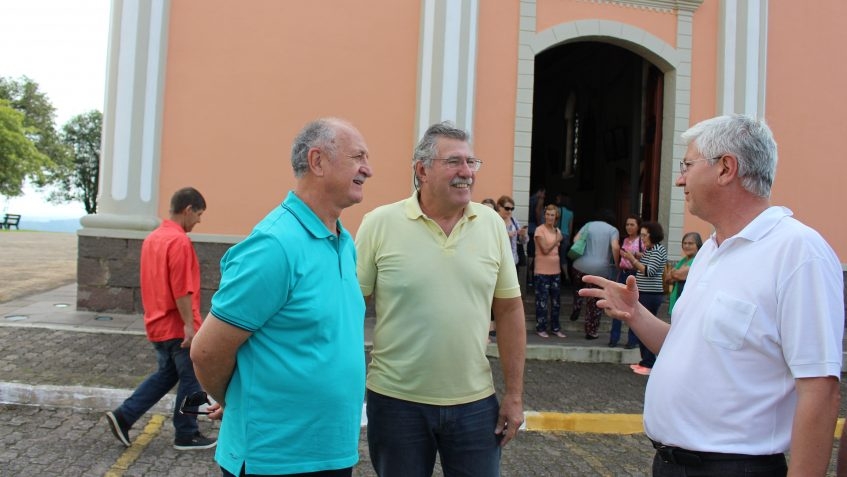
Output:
(602, 252)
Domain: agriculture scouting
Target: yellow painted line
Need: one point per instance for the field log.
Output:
(596, 423)
(585, 422)
(130, 455)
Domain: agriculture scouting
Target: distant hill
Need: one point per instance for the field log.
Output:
(50, 225)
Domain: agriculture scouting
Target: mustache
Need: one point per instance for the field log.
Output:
(459, 180)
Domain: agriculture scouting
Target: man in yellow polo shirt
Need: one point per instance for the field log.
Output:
(437, 264)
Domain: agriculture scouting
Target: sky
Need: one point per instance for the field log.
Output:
(61, 45)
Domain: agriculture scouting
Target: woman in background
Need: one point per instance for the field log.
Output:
(650, 267)
(633, 244)
(602, 252)
(691, 243)
(547, 276)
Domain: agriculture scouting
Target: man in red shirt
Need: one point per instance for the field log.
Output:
(170, 293)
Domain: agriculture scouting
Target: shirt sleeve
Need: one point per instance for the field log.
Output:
(180, 259)
(365, 261)
(255, 282)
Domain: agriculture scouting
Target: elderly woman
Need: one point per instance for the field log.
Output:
(691, 243)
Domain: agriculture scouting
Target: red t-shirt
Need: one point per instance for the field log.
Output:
(169, 270)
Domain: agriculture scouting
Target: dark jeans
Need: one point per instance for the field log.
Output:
(323, 473)
(547, 287)
(404, 437)
(174, 367)
(651, 301)
(771, 466)
(615, 333)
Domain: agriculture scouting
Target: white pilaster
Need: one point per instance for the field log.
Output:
(128, 195)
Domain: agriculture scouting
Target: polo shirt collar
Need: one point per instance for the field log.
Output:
(763, 223)
(413, 209)
(307, 217)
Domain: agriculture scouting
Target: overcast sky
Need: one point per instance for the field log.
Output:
(61, 45)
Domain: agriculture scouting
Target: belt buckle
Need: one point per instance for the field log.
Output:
(675, 455)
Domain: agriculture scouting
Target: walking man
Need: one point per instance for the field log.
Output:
(170, 293)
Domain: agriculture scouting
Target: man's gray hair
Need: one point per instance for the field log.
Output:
(425, 150)
(318, 133)
(748, 139)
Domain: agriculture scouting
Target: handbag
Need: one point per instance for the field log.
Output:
(578, 248)
(667, 285)
(521, 255)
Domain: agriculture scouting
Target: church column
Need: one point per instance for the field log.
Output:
(127, 203)
(447, 63)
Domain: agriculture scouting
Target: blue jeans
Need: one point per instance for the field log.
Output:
(174, 366)
(651, 301)
(404, 437)
(615, 333)
(547, 286)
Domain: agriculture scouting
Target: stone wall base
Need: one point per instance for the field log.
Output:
(108, 273)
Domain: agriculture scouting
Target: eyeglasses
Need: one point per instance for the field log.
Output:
(684, 165)
(509, 208)
(456, 162)
(194, 400)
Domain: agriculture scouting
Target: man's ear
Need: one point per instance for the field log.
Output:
(315, 157)
(728, 164)
(420, 171)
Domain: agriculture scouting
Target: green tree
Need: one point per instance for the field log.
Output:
(39, 127)
(80, 175)
(19, 158)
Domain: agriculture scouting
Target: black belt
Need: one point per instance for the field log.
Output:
(680, 456)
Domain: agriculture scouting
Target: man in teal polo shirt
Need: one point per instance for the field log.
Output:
(282, 350)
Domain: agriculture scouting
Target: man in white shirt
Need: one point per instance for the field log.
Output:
(749, 368)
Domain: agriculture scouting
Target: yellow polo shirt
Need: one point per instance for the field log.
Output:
(433, 297)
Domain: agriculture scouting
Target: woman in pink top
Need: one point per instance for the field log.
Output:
(632, 244)
(547, 278)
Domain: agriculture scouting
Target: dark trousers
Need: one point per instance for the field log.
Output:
(750, 466)
(323, 473)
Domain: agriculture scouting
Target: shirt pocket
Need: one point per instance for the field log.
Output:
(727, 321)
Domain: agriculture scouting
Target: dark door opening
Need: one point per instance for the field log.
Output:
(596, 130)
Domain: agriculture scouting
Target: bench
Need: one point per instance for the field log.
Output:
(10, 220)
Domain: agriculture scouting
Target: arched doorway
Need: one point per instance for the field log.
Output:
(597, 129)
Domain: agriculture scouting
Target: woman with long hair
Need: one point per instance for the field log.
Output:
(633, 244)
(649, 267)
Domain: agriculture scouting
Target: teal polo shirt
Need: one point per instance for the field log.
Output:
(294, 403)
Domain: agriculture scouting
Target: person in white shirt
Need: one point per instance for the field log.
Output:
(749, 367)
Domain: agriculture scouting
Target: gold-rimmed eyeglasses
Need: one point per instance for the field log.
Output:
(685, 164)
(456, 162)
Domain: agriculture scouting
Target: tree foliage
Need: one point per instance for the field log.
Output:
(36, 123)
(19, 158)
(80, 175)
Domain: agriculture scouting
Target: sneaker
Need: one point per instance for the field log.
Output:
(542, 334)
(195, 442)
(560, 334)
(612, 345)
(119, 428)
(634, 365)
(642, 371)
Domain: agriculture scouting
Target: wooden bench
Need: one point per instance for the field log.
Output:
(10, 220)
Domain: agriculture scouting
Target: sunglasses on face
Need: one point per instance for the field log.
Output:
(509, 208)
(193, 401)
